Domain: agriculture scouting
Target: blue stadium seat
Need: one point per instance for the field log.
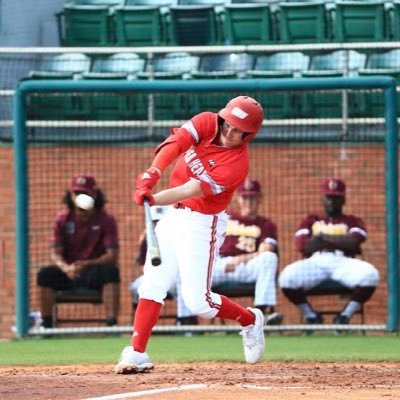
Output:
(219, 66)
(279, 105)
(330, 104)
(387, 63)
(56, 106)
(167, 106)
(106, 106)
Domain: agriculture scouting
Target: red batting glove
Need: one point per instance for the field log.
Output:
(147, 180)
(140, 195)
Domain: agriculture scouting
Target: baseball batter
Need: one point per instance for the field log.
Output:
(249, 252)
(212, 161)
(329, 243)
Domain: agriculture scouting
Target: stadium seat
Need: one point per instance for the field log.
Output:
(279, 105)
(304, 22)
(139, 26)
(174, 63)
(109, 3)
(84, 26)
(248, 24)
(219, 66)
(394, 14)
(117, 66)
(236, 63)
(388, 63)
(359, 21)
(56, 106)
(167, 106)
(332, 104)
(338, 61)
(194, 25)
(95, 2)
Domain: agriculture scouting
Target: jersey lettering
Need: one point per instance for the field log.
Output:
(235, 228)
(194, 163)
(246, 244)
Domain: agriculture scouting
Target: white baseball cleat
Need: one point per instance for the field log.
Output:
(253, 338)
(132, 362)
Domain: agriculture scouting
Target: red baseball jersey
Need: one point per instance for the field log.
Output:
(343, 224)
(245, 235)
(84, 240)
(220, 170)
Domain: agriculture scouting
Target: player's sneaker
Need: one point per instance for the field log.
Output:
(340, 320)
(253, 338)
(132, 362)
(314, 321)
(274, 318)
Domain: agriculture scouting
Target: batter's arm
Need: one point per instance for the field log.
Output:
(188, 190)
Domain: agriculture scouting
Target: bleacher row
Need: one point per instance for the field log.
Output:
(173, 106)
(215, 22)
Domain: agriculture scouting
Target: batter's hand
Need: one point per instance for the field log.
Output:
(148, 179)
(140, 195)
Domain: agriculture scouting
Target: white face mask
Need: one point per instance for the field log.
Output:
(84, 201)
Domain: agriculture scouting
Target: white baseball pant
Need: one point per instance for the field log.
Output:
(182, 310)
(310, 272)
(189, 243)
(260, 270)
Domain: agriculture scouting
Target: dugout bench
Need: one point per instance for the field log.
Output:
(75, 296)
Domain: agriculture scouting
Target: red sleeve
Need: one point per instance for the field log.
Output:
(181, 137)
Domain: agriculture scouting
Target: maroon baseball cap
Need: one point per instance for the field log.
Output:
(333, 187)
(83, 183)
(250, 187)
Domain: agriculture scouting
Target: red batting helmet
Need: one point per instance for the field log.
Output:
(244, 113)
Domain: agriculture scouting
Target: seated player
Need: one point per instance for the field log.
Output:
(84, 250)
(249, 253)
(329, 243)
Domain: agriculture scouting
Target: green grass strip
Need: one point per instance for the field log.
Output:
(228, 347)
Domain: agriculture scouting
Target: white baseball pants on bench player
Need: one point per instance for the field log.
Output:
(260, 270)
(310, 272)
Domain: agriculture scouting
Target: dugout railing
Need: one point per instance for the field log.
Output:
(390, 137)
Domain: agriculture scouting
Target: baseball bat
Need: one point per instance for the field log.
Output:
(152, 242)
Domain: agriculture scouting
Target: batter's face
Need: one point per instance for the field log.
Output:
(333, 205)
(230, 136)
(249, 206)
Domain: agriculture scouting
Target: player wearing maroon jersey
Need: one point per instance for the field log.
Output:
(212, 161)
(329, 243)
(249, 251)
(84, 250)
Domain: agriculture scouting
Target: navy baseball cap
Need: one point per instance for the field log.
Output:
(333, 187)
(250, 187)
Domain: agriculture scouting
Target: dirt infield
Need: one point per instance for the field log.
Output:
(219, 381)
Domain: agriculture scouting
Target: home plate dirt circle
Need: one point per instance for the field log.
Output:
(206, 380)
